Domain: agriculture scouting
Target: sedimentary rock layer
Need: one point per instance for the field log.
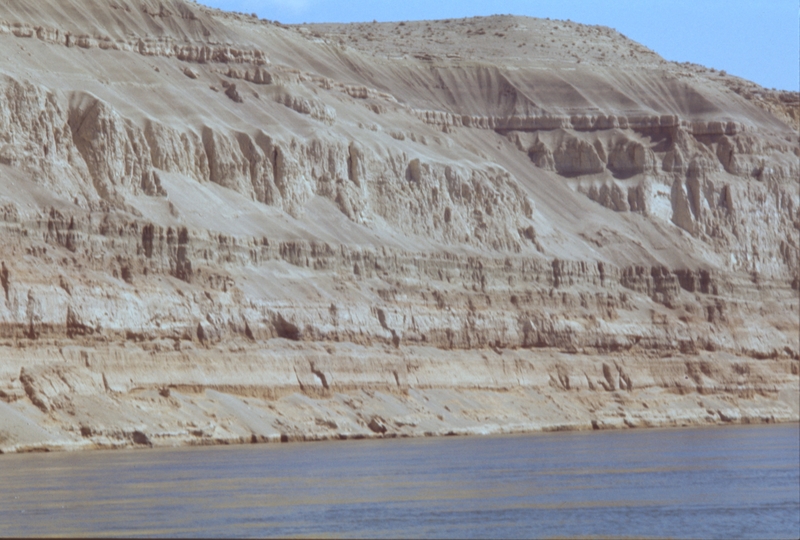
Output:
(219, 228)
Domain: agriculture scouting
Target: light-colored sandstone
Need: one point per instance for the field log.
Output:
(222, 229)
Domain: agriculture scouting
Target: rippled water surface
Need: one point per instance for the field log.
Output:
(693, 483)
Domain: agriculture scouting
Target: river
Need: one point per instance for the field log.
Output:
(727, 482)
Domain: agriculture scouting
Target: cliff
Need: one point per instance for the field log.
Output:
(217, 228)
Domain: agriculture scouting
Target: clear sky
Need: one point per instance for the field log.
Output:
(755, 39)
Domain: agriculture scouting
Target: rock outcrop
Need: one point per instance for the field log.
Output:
(356, 238)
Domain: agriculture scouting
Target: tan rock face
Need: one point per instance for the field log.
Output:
(374, 232)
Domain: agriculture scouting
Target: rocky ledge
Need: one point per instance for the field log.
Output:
(222, 229)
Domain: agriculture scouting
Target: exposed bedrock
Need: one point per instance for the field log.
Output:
(128, 397)
(97, 155)
(510, 230)
(110, 158)
(98, 277)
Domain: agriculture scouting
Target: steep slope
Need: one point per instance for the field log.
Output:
(338, 230)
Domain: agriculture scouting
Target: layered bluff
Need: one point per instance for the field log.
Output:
(222, 229)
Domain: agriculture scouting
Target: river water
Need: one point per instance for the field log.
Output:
(732, 482)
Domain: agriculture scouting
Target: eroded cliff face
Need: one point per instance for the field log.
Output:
(201, 208)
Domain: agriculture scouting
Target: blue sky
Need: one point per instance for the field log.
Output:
(755, 39)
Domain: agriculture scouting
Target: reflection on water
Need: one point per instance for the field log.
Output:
(696, 483)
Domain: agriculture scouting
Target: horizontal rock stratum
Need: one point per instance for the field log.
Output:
(217, 228)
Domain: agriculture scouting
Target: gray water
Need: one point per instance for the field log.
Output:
(736, 482)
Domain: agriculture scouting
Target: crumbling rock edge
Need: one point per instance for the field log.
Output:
(287, 391)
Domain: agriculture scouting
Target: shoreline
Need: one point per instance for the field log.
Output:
(673, 411)
(92, 447)
(284, 391)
